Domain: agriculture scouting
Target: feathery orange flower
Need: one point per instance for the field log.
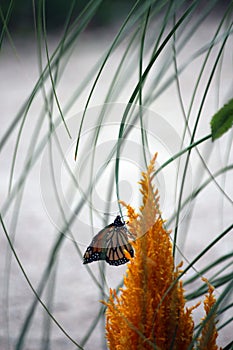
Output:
(209, 332)
(150, 312)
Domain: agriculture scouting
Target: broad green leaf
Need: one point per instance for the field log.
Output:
(222, 120)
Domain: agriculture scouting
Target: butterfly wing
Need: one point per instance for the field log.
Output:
(109, 244)
(116, 244)
(97, 249)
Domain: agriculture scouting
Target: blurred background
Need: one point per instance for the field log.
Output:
(108, 13)
(22, 14)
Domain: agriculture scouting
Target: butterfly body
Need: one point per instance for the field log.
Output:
(109, 245)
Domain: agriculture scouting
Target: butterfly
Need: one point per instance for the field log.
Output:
(109, 245)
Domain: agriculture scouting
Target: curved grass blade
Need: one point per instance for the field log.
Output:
(55, 58)
(229, 346)
(177, 155)
(143, 133)
(208, 267)
(19, 345)
(53, 256)
(50, 70)
(186, 118)
(193, 262)
(101, 117)
(93, 325)
(5, 21)
(218, 282)
(193, 136)
(225, 324)
(140, 84)
(112, 47)
(195, 192)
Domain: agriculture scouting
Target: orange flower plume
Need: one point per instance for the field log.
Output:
(150, 312)
(209, 332)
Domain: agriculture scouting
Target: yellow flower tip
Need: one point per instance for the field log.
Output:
(209, 332)
(152, 163)
(113, 292)
(179, 265)
(205, 280)
(127, 255)
(210, 287)
(154, 158)
(123, 203)
(195, 306)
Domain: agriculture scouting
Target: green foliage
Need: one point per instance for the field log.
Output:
(222, 121)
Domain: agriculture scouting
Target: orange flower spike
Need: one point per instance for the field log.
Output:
(143, 316)
(209, 332)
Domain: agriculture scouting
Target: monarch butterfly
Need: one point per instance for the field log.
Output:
(109, 245)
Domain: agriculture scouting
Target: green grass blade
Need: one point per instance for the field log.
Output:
(193, 136)
(37, 295)
(5, 21)
(112, 47)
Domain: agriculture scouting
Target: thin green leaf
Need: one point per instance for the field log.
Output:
(36, 293)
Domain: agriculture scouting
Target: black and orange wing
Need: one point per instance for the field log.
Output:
(97, 249)
(109, 245)
(117, 243)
